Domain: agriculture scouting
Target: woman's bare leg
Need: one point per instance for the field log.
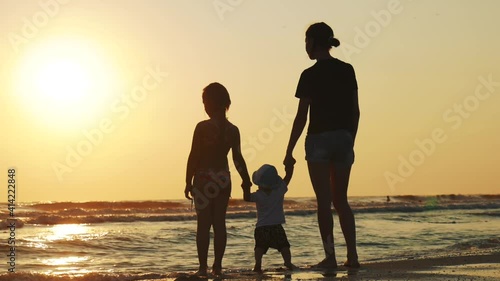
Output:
(339, 183)
(320, 179)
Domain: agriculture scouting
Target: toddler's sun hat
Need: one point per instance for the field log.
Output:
(267, 176)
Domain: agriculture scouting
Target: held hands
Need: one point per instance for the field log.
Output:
(246, 190)
(246, 186)
(289, 161)
(187, 191)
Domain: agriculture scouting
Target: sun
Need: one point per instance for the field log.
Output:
(65, 83)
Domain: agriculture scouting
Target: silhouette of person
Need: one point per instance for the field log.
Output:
(269, 232)
(207, 176)
(328, 92)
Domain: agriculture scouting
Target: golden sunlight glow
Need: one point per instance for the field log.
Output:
(67, 232)
(64, 261)
(65, 83)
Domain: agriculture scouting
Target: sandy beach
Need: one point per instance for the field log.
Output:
(466, 267)
(476, 267)
(471, 267)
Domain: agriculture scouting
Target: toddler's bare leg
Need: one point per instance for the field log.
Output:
(259, 252)
(287, 258)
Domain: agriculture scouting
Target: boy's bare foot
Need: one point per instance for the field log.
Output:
(328, 263)
(352, 264)
(291, 266)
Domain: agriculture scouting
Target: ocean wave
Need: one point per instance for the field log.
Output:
(7, 223)
(94, 276)
(402, 208)
(487, 213)
(490, 243)
(25, 276)
(48, 219)
(107, 205)
(54, 219)
(180, 210)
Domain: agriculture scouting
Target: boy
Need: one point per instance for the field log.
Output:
(208, 182)
(269, 201)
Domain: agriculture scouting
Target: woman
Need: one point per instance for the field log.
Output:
(329, 90)
(207, 176)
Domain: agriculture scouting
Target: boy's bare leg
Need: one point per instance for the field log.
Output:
(220, 232)
(287, 258)
(259, 252)
(203, 240)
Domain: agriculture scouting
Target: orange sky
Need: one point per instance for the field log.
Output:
(100, 98)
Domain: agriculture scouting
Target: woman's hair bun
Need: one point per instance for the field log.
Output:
(334, 42)
(323, 35)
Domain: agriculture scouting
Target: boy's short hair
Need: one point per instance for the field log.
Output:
(216, 97)
(267, 176)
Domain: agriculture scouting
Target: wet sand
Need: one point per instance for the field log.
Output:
(470, 267)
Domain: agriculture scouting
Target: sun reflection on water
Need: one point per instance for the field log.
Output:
(67, 232)
(64, 261)
(69, 263)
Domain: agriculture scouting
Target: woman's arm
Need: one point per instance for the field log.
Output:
(288, 174)
(356, 114)
(298, 126)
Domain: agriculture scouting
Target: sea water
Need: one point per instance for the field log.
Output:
(156, 239)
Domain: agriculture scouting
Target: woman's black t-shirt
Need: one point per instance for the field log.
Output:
(331, 86)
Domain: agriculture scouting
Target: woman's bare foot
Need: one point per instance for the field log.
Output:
(328, 263)
(352, 264)
(216, 270)
(202, 271)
